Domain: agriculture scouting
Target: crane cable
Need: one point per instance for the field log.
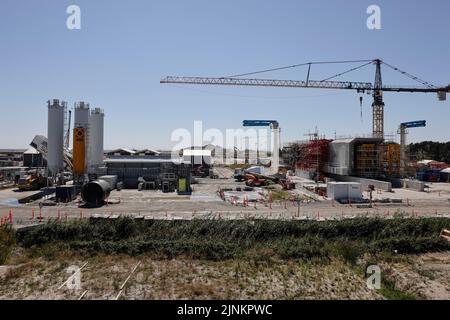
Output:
(367, 62)
(350, 70)
(294, 66)
(425, 83)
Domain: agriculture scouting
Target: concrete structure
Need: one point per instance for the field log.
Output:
(413, 184)
(365, 183)
(275, 147)
(275, 141)
(402, 131)
(344, 157)
(55, 133)
(341, 157)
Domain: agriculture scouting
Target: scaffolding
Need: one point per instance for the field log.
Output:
(313, 157)
(391, 159)
(368, 160)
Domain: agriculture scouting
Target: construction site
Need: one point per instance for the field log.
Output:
(224, 159)
(70, 175)
(67, 181)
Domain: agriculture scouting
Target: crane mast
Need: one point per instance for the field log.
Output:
(378, 104)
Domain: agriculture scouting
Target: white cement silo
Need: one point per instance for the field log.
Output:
(81, 115)
(55, 133)
(96, 138)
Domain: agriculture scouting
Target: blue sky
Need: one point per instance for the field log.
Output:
(124, 47)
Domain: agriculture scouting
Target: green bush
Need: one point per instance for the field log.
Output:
(222, 239)
(7, 242)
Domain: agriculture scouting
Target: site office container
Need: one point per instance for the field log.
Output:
(344, 190)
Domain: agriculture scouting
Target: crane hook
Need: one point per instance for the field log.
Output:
(360, 104)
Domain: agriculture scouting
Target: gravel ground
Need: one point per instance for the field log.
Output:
(205, 202)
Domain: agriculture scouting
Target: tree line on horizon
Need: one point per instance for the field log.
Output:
(430, 150)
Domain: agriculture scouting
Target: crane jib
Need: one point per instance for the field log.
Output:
(348, 85)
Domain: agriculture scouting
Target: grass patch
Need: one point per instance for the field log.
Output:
(280, 195)
(391, 292)
(7, 242)
(220, 239)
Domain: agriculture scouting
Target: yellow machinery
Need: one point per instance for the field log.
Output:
(79, 152)
(32, 182)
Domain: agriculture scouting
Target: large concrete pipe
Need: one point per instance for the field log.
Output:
(95, 192)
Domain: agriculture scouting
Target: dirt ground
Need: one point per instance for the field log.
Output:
(427, 276)
(103, 277)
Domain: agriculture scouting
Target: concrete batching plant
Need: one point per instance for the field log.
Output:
(87, 155)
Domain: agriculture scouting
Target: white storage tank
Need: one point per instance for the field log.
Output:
(55, 133)
(81, 115)
(96, 138)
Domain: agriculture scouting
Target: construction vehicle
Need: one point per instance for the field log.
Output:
(287, 184)
(32, 182)
(376, 89)
(255, 180)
